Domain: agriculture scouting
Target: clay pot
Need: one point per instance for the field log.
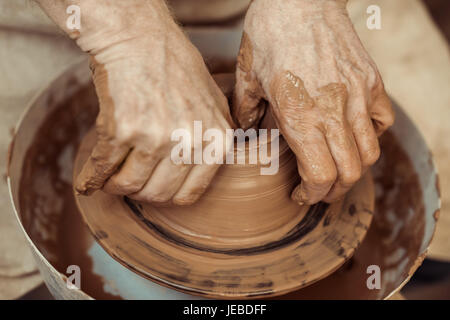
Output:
(244, 238)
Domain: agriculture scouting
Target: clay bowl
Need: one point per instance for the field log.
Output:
(244, 238)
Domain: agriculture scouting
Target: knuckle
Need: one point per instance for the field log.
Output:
(372, 155)
(189, 198)
(186, 199)
(118, 186)
(155, 140)
(350, 176)
(373, 78)
(389, 118)
(323, 180)
(371, 75)
(124, 133)
(154, 197)
(128, 187)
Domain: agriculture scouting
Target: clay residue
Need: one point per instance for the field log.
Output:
(247, 109)
(436, 215)
(98, 167)
(245, 58)
(291, 98)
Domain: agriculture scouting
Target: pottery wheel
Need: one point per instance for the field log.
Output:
(244, 238)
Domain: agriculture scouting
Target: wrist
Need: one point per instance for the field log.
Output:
(297, 16)
(104, 23)
(122, 23)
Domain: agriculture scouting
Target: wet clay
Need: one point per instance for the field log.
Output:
(244, 232)
(54, 223)
(243, 221)
(246, 107)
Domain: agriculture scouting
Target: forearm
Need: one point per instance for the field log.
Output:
(105, 22)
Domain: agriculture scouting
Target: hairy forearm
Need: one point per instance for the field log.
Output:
(105, 22)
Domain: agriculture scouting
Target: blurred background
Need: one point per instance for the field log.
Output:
(411, 51)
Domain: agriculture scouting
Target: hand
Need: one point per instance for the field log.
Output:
(324, 91)
(148, 86)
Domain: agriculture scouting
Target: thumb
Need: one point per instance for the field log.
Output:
(102, 158)
(247, 110)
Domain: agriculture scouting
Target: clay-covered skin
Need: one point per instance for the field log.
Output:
(150, 81)
(324, 91)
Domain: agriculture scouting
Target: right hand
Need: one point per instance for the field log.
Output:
(147, 88)
(324, 91)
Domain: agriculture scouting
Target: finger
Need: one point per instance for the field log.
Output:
(297, 119)
(201, 175)
(317, 170)
(225, 83)
(382, 113)
(346, 157)
(315, 165)
(164, 182)
(104, 160)
(247, 110)
(248, 93)
(366, 141)
(339, 136)
(133, 174)
(363, 131)
(196, 183)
